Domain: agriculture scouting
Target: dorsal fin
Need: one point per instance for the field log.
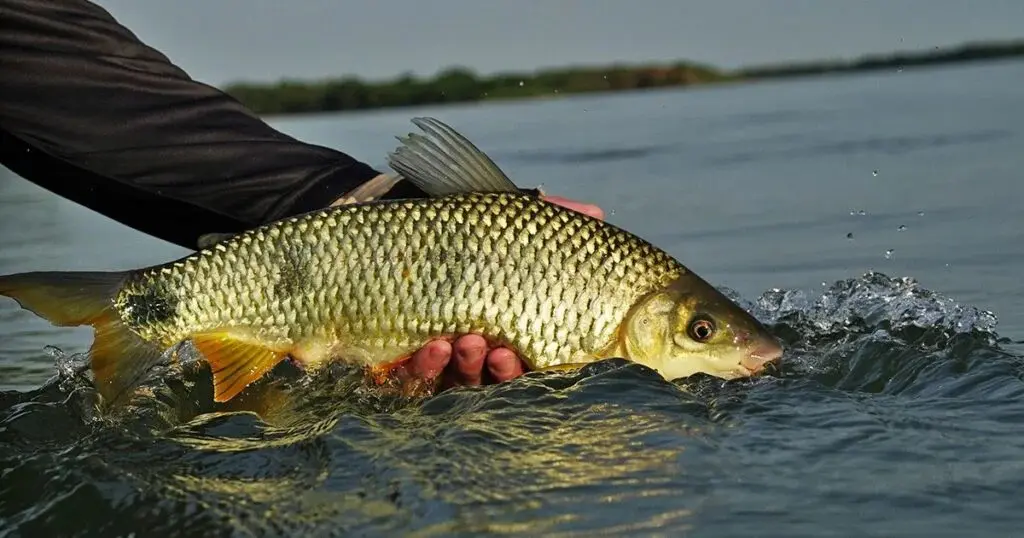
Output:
(445, 162)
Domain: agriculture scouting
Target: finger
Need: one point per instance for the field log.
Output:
(580, 207)
(503, 364)
(469, 352)
(430, 360)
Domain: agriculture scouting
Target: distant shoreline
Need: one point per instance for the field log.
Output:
(459, 85)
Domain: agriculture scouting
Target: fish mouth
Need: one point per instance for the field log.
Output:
(756, 362)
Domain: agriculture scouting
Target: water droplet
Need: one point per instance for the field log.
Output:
(920, 213)
(849, 235)
(521, 83)
(888, 254)
(611, 213)
(902, 228)
(874, 173)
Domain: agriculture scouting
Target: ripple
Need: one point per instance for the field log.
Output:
(882, 377)
(875, 145)
(583, 156)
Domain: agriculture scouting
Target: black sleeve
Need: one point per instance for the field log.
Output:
(91, 113)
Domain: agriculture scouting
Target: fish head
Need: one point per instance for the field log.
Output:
(690, 327)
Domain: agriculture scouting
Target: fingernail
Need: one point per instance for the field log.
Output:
(500, 368)
(472, 352)
(438, 353)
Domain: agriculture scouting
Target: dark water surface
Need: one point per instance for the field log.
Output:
(874, 222)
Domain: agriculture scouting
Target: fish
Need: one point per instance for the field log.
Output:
(369, 282)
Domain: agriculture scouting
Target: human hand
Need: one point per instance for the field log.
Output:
(468, 360)
(474, 362)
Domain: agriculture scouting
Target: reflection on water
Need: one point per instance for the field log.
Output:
(611, 449)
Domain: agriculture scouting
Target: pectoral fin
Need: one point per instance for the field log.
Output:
(236, 361)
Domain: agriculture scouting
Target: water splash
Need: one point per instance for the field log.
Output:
(874, 305)
(529, 454)
(876, 334)
(68, 369)
(869, 303)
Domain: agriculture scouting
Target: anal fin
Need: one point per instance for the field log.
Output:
(381, 373)
(236, 360)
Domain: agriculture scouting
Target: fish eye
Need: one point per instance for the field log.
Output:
(702, 329)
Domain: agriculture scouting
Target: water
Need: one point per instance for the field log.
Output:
(873, 221)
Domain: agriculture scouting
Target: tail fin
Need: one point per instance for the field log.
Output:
(119, 357)
(65, 299)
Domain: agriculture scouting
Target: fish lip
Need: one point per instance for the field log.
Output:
(756, 363)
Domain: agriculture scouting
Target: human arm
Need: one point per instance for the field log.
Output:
(91, 113)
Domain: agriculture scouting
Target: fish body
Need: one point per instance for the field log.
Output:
(373, 282)
(551, 283)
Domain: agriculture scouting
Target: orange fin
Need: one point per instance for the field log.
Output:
(65, 299)
(119, 357)
(381, 373)
(235, 361)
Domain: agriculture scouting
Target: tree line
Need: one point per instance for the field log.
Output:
(460, 85)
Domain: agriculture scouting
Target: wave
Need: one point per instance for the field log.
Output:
(330, 455)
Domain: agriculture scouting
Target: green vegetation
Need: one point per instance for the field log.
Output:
(965, 53)
(460, 85)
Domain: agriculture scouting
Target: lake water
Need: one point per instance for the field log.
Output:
(874, 221)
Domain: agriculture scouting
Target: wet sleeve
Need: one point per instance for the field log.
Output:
(91, 113)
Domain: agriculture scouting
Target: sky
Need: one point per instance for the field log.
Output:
(218, 41)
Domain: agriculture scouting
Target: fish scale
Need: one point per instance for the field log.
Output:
(372, 282)
(524, 279)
